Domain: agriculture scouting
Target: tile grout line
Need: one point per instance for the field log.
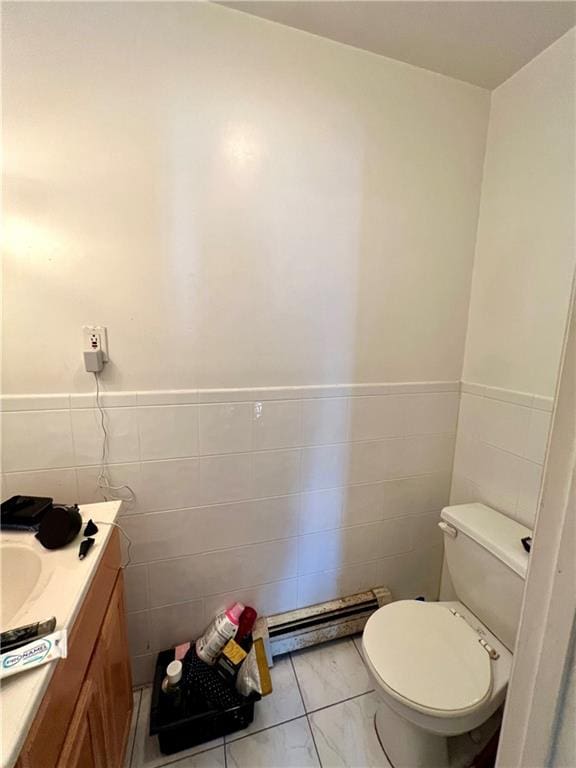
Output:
(294, 448)
(358, 649)
(271, 727)
(136, 721)
(181, 759)
(342, 701)
(299, 717)
(185, 757)
(310, 728)
(275, 725)
(304, 392)
(267, 728)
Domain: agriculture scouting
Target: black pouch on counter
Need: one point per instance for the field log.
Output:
(23, 513)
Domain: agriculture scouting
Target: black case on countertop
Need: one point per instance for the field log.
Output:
(23, 513)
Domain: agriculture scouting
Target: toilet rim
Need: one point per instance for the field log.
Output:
(383, 652)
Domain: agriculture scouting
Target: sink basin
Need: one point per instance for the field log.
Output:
(20, 571)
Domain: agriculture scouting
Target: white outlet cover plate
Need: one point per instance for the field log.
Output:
(101, 332)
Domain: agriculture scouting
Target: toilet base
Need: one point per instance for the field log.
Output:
(408, 746)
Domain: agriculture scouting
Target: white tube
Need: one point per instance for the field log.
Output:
(34, 654)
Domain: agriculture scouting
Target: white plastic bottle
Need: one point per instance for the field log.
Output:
(171, 685)
(222, 629)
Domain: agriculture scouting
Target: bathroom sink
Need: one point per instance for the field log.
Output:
(20, 571)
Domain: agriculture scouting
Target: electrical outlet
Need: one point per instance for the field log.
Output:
(96, 338)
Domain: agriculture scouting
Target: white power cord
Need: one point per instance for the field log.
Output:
(123, 532)
(107, 490)
(103, 482)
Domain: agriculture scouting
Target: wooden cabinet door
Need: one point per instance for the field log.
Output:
(84, 746)
(115, 678)
(52, 722)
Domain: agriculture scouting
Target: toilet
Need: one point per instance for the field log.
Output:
(441, 669)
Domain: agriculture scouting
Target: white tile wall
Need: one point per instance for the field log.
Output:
(278, 497)
(122, 427)
(500, 450)
(174, 624)
(36, 440)
(374, 417)
(169, 484)
(328, 585)
(224, 478)
(276, 424)
(168, 432)
(225, 428)
(136, 587)
(324, 421)
(59, 483)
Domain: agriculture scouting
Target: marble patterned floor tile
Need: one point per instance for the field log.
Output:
(213, 758)
(330, 673)
(357, 639)
(136, 696)
(346, 737)
(284, 703)
(146, 753)
(289, 745)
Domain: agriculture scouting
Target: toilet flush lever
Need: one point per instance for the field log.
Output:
(448, 529)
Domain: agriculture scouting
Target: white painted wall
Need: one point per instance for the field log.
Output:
(242, 204)
(521, 284)
(526, 246)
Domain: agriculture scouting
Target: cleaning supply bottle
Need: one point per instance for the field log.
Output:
(222, 629)
(245, 627)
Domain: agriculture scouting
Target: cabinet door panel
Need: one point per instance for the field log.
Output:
(116, 680)
(84, 745)
(52, 721)
(84, 719)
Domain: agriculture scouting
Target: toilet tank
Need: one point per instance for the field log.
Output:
(487, 565)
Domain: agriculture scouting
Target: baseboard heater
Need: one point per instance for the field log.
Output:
(319, 623)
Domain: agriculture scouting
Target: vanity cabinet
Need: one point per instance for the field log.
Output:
(84, 746)
(113, 678)
(84, 718)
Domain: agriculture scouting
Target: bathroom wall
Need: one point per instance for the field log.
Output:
(521, 285)
(240, 203)
(500, 450)
(526, 238)
(280, 498)
(278, 232)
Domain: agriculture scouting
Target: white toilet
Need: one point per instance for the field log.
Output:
(441, 669)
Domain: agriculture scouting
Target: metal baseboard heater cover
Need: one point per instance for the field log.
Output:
(319, 623)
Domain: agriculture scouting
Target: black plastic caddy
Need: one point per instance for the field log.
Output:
(206, 708)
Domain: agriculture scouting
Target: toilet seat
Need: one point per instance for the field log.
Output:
(428, 657)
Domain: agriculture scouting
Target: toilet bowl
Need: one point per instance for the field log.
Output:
(440, 671)
(433, 677)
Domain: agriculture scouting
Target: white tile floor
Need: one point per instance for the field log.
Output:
(321, 713)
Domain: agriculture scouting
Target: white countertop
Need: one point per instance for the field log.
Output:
(62, 585)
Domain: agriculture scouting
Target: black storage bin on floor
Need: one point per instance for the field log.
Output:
(208, 707)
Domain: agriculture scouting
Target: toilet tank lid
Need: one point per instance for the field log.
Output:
(499, 534)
